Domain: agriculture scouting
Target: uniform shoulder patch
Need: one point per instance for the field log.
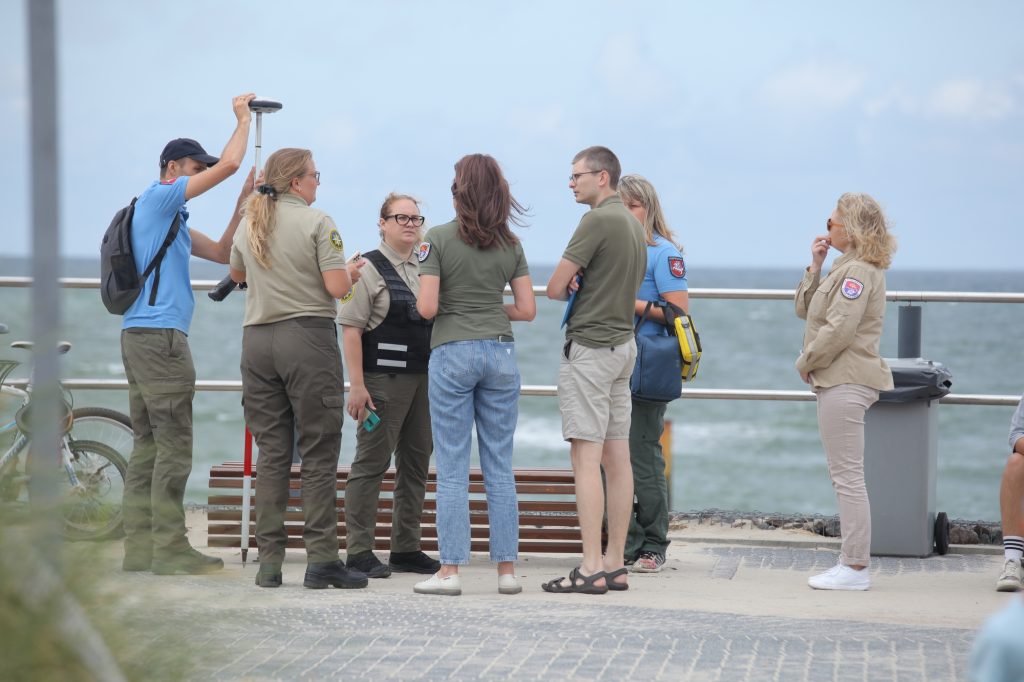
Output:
(423, 251)
(852, 288)
(336, 242)
(677, 266)
(351, 292)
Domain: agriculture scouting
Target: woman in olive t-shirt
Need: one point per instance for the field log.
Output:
(473, 377)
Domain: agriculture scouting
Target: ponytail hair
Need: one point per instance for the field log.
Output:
(282, 167)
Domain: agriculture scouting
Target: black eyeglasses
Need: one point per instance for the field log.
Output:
(405, 219)
(576, 176)
(831, 223)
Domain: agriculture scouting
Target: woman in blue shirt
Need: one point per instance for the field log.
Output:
(664, 280)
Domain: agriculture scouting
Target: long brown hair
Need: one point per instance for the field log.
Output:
(484, 205)
(282, 167)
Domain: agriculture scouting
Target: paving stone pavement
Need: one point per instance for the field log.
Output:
(298, 634)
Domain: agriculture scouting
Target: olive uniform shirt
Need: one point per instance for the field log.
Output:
(366, 305)
(609, 245)
(844, 313)
(303, 243)
(471, 299)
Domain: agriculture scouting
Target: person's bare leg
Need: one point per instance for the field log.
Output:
(1011, 496)
(586, 467)
(619, 478)
(448, 570)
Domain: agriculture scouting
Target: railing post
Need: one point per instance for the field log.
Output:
(909, 332)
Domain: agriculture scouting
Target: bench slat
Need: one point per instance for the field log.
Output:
(548, 521)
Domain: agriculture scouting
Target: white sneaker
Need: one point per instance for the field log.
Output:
(507, 584)
(1012, 578)
(449, 587)
(841, 577)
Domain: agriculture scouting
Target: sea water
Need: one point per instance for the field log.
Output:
(726, 454)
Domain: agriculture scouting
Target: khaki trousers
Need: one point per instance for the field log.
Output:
(841, 423)
(404, 411)
(161, 383)
(292, 393)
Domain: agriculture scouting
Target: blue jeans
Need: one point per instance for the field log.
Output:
(475, 381)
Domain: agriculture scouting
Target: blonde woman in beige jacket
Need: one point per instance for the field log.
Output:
(844, 312)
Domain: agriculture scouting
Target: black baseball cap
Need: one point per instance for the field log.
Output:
(182, 147)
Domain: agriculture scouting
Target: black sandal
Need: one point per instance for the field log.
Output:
(610, 582)
(587, 585)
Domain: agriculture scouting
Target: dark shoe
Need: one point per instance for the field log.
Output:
(584, 586)
(322, 575)
(613, 584)
(137, 561)
(190, 562)
(368, 563)
(413, 562)
(269, 575)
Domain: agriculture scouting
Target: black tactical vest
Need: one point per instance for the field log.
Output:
(401, 343)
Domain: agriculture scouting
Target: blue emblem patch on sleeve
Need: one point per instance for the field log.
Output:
(852, 288)
(423, 251)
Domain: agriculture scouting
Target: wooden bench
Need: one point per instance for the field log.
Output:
(547, 510)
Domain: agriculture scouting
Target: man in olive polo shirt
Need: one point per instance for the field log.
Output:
(608, 251)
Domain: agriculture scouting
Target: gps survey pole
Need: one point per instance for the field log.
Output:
(258, 107)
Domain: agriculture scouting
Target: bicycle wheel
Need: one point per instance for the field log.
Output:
(100, 425)
(92, 510)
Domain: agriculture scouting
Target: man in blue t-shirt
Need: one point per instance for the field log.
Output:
(154, 348)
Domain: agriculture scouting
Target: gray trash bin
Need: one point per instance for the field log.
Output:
(900, 458)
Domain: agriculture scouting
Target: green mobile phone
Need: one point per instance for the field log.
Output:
(372, 421)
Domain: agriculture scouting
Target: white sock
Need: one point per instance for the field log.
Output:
(1013, 547)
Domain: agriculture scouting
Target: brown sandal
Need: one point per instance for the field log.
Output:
(610, 582)
(587, 585)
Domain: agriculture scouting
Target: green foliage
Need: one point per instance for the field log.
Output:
(63, 616)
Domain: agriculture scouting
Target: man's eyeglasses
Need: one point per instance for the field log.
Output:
(831, 223)
(405, 219)
(574, 178)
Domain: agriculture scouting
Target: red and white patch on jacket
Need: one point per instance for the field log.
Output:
(852, 288)
(676, 266)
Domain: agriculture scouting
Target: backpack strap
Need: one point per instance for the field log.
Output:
(154, 264)
(640, 321)
(672, 311)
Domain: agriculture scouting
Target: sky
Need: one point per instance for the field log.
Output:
(750, 118)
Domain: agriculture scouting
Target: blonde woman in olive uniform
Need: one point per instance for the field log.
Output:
(292, 258)
(387, 348)
(840, 360)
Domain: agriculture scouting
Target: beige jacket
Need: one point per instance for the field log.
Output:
(844, 313)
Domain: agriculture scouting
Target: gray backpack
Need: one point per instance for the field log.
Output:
(120, 282)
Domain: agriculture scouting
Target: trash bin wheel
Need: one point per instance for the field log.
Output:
(941, 533)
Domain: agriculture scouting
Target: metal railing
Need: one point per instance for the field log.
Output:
(550, 391)
(908, 296)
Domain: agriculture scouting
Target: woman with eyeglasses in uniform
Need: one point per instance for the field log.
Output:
(387, 347)
(840, 360)
(292, 258)
(473, 375)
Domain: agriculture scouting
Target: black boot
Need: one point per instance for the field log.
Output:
(368, 563)
(269, 575)
(322, 575)
(190, 561)
(413, 562)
